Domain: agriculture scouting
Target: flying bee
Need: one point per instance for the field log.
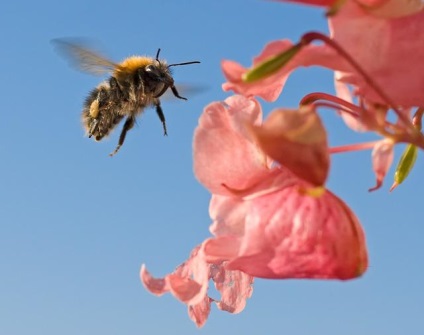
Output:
(135, 84)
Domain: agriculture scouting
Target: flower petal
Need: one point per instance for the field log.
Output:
(287, 133)
(224, 153)
(382, 158)
(189, 284)
(199, 313)
(381, 47)
(156, 286)
(289, 234)
(228, 214)
(235, 288)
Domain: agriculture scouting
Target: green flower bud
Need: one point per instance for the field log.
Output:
(406, 163)
(271, 65)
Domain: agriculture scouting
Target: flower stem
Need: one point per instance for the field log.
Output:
(353, 147)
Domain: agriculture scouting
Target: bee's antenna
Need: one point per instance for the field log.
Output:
(157, 55)
(186, 63)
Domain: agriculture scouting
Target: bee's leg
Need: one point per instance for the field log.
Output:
(159, 111)
(93, 127)
(129, 123)
(94, 109)
(174, 90)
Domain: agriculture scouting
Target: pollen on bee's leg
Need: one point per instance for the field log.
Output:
(94, 109)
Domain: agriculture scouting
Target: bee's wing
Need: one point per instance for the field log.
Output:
(83, 58)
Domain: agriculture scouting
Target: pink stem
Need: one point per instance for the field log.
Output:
(340, 104)
(312, 97)
(353, 147)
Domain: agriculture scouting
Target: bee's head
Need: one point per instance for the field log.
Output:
(157, 77)
(158, 72)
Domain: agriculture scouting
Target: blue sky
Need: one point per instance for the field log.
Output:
(75, 224)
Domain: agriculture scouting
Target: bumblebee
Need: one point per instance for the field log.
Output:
(135, 84)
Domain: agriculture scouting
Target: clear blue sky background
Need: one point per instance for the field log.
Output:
(75, 224)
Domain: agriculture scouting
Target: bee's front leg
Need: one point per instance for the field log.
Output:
(159, 112)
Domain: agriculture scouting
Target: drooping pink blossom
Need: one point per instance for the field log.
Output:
(280, 226)
(267, 221)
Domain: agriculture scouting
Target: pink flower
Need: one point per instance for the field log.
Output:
(269, 220)
(370, 66)
(379, 44)
(270, 223)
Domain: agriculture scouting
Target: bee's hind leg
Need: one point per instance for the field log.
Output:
(100, 98)
(93, 127)
(129, 123)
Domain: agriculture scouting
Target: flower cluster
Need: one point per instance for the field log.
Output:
(272, 215)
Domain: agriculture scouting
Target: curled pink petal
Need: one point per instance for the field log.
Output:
(156, 286)
(235, 288)
(189, 284)
(184, 289)
(199, 313)
(221, 129)
(286, 133)
(382, 158)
